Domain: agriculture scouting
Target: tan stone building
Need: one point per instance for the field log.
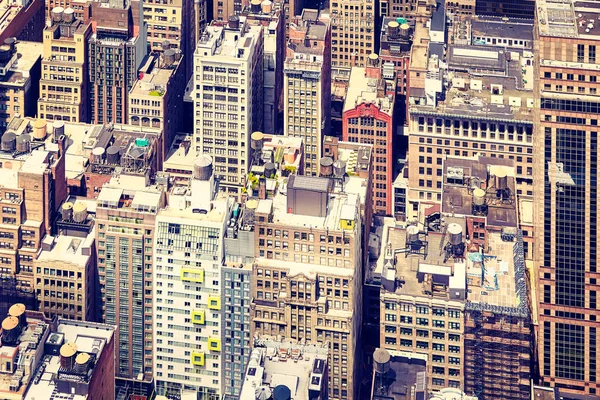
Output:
(156, 98)
(452, 112)
(19, 79)
(307, 86)
(63, 85)
(65, 275)
(307, 280)
(352, 35)
(447, 301)
(33, 185)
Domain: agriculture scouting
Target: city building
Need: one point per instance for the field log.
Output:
(99, 152)
(33, 187)
(368, 118)
(235, 278)
(272, 156)
(306, 283)
(565, 200)
(395, 44)
(23, 20)
(397, 377)
(202, 17)
(64, 81)
(179, 161)
(65, 270)
(506, 8)
(117, 48)
(78, 361)
(65, 357)
(460, 8)
(488, 113)
(455, 288)
(190, 357)
(270, 15)
(307, 85)
(406, 9)
(126, 211)
(169, 23)
(20, 69)
(156, 98)
(228, 98)
(286, 368)
(353, 35)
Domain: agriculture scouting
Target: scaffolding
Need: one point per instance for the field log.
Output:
(498, 342)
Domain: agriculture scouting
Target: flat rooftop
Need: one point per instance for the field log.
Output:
(31, 345)
(458, 198)
(183, 203)
(88, 337)
(227, 43)
(362, 89)
(155, 78)
(495, 268)
(70, 249)
(404, 373)
(504, 94)
(144, 199)
(27, 54)
(502, 28)
(337, 206)
(300, 367)
(568, 18)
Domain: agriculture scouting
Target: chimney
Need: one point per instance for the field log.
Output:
(262, 188)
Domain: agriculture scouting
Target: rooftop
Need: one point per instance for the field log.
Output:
(496, 27)
(141, 200)
(17, 69)
(488, 275)
(155, 76)
(30, 349)
(406, 376)
(462, 175)
(234, 43)
(394, 43)
(283, 151)
(569, 18)
(197, 202)
(308, 33)
(363, 89)
(180, 159)
(490, 82)
(9, 10)
(338, 202)
(299, 367)
(88, 337)
(70, 249)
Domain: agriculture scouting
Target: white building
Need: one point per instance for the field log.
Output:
(228, 97)
(189, 252)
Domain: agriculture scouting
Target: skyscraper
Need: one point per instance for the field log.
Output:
(188, 316)
(116, 50)
(566, 195)
(125, 217)
(307, 85)
(228, 104)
